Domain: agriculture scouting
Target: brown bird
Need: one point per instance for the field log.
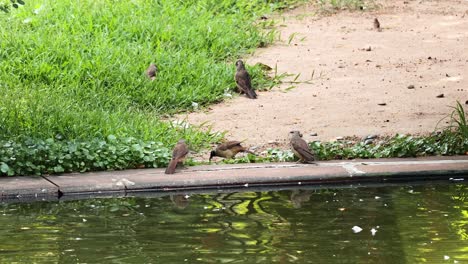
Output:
(228, 150)
(243, 80)
(178, 155)
(151, 71)
(300, 147)
(377, 25)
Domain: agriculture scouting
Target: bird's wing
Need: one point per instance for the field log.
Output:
(151, 71)
(301, 146)
(180, 151)
(228, 145)
(243, 80)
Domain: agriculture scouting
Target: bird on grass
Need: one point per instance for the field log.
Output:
(243, 82)
(377, 25)
(178, 155)
(229, 150)
(300, 147)
(151, 71)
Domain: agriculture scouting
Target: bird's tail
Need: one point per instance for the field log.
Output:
(171, 167)
(251, 94)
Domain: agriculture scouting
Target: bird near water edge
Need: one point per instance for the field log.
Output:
(229, 150)
(243, 80)
(300, 147)
(178, 156)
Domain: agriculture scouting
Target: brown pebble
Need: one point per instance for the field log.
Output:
(410, 86)
(440, 96)
(382, 104)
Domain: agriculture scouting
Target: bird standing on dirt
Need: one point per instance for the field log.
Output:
(178, 155)
(151, 71)
(229, 149)
(243, 80)
(300, 147)
(377, 25)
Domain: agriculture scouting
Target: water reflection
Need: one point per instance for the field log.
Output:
(400, 224)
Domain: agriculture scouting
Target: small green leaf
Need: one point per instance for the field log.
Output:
(4, 167)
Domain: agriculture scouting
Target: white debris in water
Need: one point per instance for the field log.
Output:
(456, 179)
(373, 231)
(205, 207)
(385, 205)
(78, 238)
(186, 196)
(147, 205)
(446, 257)
(84, 220)
(361, 200)
(455, 261)
(299, 183)
(246, 185)
(445, 214)
(410, 191)
(356, 229)
(377, 197)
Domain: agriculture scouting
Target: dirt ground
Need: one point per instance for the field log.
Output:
(422, 44)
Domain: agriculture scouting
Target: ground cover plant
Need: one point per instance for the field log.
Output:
(445, 141)
(73, 71)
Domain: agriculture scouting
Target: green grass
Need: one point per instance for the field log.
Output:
(74, 70)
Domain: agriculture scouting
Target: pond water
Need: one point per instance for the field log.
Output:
(400, 224)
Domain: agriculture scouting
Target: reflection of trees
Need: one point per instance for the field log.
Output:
(430, 222)
(301, 226)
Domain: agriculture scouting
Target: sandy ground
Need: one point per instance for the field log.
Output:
(422, 43)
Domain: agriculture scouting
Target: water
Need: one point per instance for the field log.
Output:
(410, 224)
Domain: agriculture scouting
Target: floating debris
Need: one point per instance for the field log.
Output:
(373, 231)
(356, 229)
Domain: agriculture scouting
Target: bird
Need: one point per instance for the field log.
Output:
(377, 25)
(300, 147)
(242, 78)
(178, 155)
(151, 71)
(228, 150)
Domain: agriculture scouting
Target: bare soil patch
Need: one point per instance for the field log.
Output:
(394, 86)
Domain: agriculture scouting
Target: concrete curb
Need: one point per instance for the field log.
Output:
(239, 176)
